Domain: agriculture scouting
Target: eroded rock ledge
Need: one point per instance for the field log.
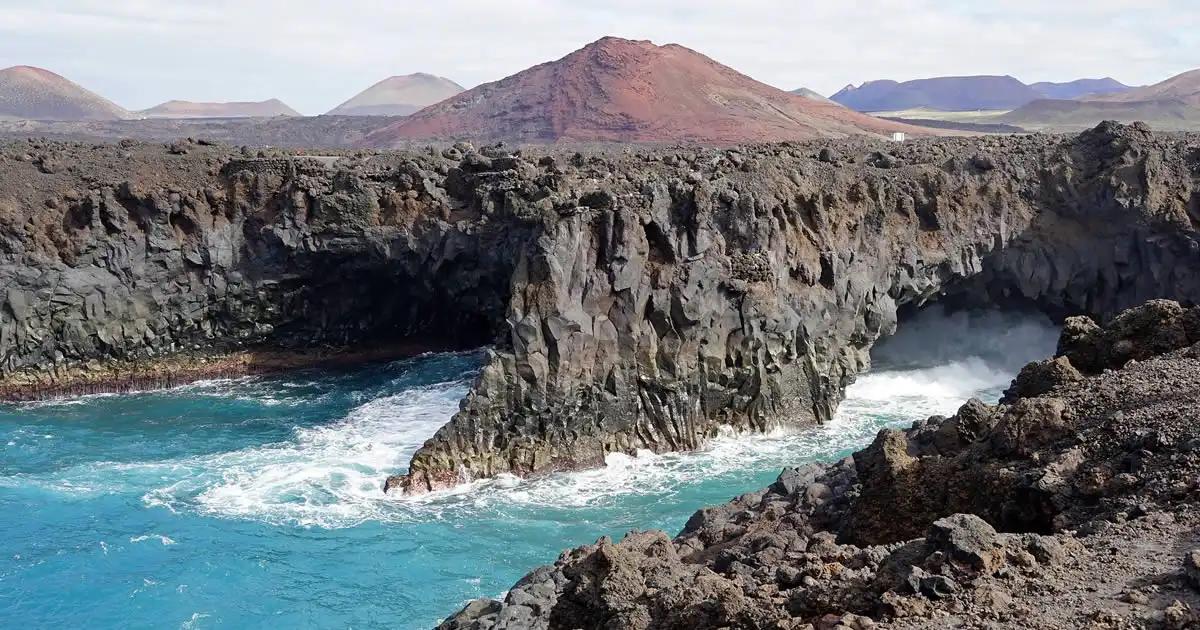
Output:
(1072, 505)
(746, 288)
(633, 300)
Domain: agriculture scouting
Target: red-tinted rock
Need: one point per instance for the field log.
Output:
(616, 90)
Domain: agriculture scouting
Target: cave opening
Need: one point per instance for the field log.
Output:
(356, 304)
(984, 327)
(999, 340)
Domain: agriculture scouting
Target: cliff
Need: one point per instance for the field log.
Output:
(1070, 505)
(634, 300)
(134, 265)
(745, 289)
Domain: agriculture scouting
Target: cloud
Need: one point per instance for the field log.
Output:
(314, 54)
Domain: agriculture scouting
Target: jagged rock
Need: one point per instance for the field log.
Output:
(1191, 567)
(921, 582)
(1041, 377)
(1179, 616)
(480, 614)
(983, 162)
(631, 303)
(974, 421)
(778, 558)
(1029, 424)
(968, 540)
(1157, 327)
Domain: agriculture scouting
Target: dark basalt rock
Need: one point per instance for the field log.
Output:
(715, 297)
(1041, 377)
(633, 301)
(1033, 522)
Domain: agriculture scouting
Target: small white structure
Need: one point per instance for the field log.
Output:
(898, 136)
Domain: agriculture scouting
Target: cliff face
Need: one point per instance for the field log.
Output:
(134, 265)
(1069, 505)
(746, 288)
(636, 301)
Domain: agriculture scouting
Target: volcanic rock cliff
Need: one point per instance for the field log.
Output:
(633, 300)
(746, 288)
(1070, 505)
(132, 265)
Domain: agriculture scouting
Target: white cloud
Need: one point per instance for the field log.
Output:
(316, 53)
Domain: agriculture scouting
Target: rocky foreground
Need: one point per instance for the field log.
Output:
(1072, 504)
(633, 299)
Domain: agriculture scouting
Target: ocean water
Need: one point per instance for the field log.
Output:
(257, 502)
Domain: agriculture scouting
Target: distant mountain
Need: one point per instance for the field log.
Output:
(1079, 87)
(807, 93)
(1181, 87)
(188, 109)
(617, 90)
(953, 94)
(36, 94)
(1076, 115)
(399, 96)
(1172, 105)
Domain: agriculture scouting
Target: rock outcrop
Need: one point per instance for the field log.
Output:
(131, 264)
(746, 288)
(633, 300)
(1073, 507)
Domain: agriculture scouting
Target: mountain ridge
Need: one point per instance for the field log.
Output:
(1183, 87)
(31, 93)
(965, 93)
(954, 93)
(232, 109)
(399, 95)
(618, 90)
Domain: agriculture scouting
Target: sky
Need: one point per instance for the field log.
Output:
(315, 54)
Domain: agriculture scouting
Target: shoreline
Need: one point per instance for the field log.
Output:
(174, 371)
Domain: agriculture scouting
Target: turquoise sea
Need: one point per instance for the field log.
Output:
(257, 502)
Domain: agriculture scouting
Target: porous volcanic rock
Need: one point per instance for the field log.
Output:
(137, 264)
(1074, 508)
(747, 288)
(632, 300)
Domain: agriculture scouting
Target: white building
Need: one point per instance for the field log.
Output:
(898, 136)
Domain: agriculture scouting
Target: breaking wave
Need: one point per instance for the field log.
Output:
(331, 475)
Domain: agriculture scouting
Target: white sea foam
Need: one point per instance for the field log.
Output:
(331, 476)
(328, 476)
(159, 537)
(926, 385)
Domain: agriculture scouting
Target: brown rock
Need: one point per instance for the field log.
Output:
(618, 90)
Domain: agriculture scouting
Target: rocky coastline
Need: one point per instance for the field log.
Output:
(632, 299)
(1069, 505)
(137, 376)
